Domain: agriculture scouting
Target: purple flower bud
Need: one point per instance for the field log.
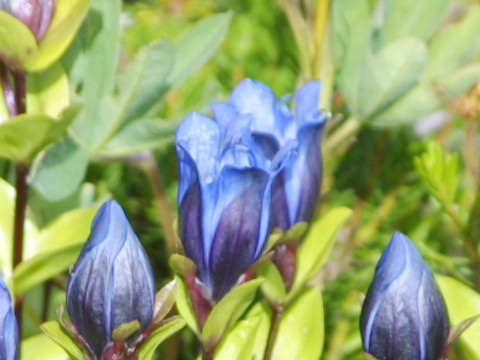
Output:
(404, 316)
(296, 190)
(224, 197)
(36, 14)
(8, 325)
(112, 282)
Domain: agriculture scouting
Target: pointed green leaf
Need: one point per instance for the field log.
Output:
(47, 91)
(239, 343)
(389, 74)
(184, 305)
(273, 287)
(140, 135)
(68, 17)
(61, 171)
(195, 46)
(412, 18)
(262, 310)
(123, 331)
(57, 333)
(44, 266)
(301, 331)
(228, 310)
(164, 301)
(158, 336)
(314, 251)
(462, 303)
(40, 347)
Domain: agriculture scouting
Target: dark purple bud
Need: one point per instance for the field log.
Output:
(112, 282)
(404, 315)
(8, 325)
(36, 14)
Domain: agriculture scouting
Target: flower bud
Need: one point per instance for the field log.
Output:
(8, 325)
(404, 315)
(112, 282)
(36, 14)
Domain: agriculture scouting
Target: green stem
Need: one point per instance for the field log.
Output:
(277, 316)
(346, 130)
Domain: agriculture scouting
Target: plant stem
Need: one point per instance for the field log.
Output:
(346, 130)
(149, 166)
(277, 316)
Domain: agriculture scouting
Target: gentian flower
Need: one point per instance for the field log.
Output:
(296, 190)
(8, 325)
(35, 33)
(404, 315)
(224, 196)
(112, 282)
(36, 14)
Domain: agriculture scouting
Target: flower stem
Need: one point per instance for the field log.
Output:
(346, 130)
(277, 316)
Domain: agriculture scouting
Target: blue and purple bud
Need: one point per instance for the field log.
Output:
(112, 282)
(224, 197)
(296, 190)
(404, 315)
(36, 14)
(8, 325)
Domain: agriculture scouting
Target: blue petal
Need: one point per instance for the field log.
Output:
(9, 340)
(404, 315)
(256, 98)
(224, 113)
(307, 100)
(199, 136)
(242, 227)
(112, 281)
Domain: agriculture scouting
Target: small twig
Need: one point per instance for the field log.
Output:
(277, 316)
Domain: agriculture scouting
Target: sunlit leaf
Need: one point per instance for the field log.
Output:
(158, 336)
(55, 332)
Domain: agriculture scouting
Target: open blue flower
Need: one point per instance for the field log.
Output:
(112, 282)
(296, 190)
(8, 325)
(224, 197)
(404, 316)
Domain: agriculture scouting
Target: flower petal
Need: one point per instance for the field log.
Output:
(307, 99)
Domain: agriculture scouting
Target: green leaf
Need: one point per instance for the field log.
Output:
(158, 336)
(91, 63)
(301, 331)
(314, 251)
(458, 82)
(184, 304)
(140, 135)
(195, 46)
(57, 333)
(262, 310)
(123, 331)
(462, 303)
(239, 342)
(22, 137)
(47, 91)
(181, 265)
(273, 287)
(15, 49)
(389, 74)
(4, 114)
(44, 266)
(412, 18)
(61, 171)
(68, 17)
(228, 310)
(446, 52)
(164, 301)
(41, 348)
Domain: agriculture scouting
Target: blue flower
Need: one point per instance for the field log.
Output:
(112, 282)
(8, 325)
(404, 315)
(224, 197)
(296, 190)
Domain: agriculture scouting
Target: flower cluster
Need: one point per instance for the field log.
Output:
(404, 315)
(253, 156)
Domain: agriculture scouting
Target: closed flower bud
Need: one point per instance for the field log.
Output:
(112, 282)
(404, 315)
(224, 198)
(36, 14)
(296, 190)
(8, 325)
